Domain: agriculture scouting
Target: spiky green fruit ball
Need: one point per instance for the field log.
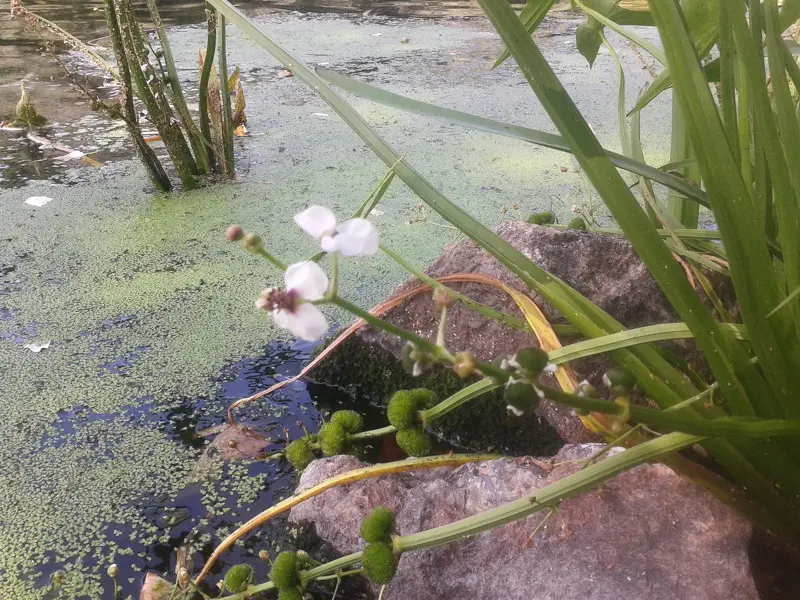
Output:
(378, 525)
(290, 593)
(542, 218)
(402, 409)
(349, 419)
(238, 578)
(299, 453)
(424, 398)
(414, 441)
(521, 397)
(577, 223)
(379, 562)
(284, 570)
(332, 439)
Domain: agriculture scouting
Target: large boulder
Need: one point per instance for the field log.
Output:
(647, 534)
(603, 268)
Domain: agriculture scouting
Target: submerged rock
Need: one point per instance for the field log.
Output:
(647, 534)
(156, 588)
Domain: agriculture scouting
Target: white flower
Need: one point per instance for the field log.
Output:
(354, 237)
(304, 282)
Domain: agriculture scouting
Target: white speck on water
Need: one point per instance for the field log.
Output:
(38, 200)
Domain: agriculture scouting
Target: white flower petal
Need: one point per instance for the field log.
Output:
(306, 322)
(316, 221)
(307, 279)
(328, 244)
(357, 237)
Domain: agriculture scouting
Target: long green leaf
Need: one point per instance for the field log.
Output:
(531, 16)
(632, 337)
(726, 359)
(619, 200)
(540, 138)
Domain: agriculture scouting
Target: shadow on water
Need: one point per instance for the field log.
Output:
(216, 499)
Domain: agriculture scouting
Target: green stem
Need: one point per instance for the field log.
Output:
(227, 118)
(149, 159)
(721, 427)
(274, 261)
(178, 99)
(205, 76)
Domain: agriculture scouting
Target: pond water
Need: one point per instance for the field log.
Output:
(23, 59)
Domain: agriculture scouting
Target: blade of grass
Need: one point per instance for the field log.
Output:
(631, 337)
(629, 35)
(620, 201)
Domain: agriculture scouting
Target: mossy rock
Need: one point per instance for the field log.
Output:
(372, 374)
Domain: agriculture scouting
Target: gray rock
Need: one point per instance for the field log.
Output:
(603, 268)
(648, 534)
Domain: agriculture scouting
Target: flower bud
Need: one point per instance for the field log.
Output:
(112, 571)
(234, 233)
(442, 298)
(521, 397)
(464, 365)
(263, 555)
(619, 380)
(530, 361)
(252, 241)
(621, 419)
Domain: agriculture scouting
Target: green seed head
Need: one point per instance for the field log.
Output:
(402, 409)
(378, 525)
(531, 359)
(290, 593)
(284, 570)
(414, 441)
(542, 218)
(577, 223)
(424, 398)
(349, 419)
(238, 578)
(619, 380)
(332, 439)
(299, 453)
(379, 562)
(521, 397)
